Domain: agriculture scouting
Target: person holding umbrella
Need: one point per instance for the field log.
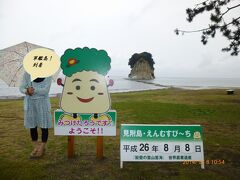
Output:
(37, 110)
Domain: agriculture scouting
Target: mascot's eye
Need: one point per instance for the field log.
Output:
(77, 87)
(92, 88)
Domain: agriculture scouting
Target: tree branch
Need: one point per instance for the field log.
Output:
(201, 3)
(204, 29)
(228, 9)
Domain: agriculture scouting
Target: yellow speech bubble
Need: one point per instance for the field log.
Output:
(41, 62)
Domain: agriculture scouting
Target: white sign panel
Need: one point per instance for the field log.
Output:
(169, 143)
(85, 124)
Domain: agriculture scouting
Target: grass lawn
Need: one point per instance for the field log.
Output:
(218, 113)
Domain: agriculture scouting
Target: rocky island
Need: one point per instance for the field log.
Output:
(141, 66)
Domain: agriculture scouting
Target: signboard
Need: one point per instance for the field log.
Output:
(166, 143)
(85, 124)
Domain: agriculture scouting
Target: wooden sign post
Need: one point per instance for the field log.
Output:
(99, 147)
(70, 147)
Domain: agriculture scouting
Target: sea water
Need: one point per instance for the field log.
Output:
(123, 84)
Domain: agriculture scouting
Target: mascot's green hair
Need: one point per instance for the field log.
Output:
(85, 59)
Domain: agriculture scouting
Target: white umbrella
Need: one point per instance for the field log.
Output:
(11, 58)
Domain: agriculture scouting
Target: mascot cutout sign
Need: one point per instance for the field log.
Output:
(85, 87)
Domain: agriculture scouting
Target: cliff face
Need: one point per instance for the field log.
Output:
(142, 71)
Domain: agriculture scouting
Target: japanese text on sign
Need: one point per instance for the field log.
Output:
(161, 143)
(85, 124)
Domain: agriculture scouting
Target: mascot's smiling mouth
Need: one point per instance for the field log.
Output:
(85, 100)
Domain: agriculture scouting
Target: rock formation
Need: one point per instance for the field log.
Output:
(142, 66)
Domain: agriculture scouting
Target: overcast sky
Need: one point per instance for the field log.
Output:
(122, 28)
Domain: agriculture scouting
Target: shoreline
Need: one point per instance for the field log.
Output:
(184, 86)
(116, 91)
(125, 85)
